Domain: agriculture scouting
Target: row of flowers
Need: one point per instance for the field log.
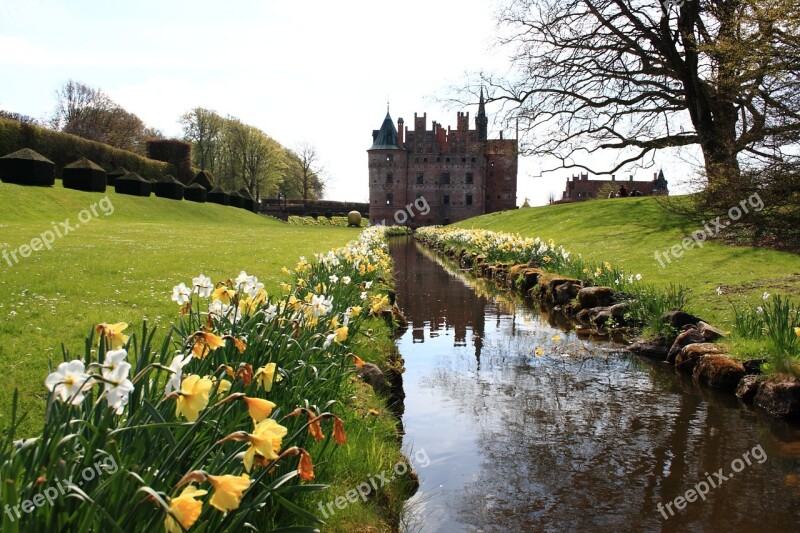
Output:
(244, 382)
(502, 247)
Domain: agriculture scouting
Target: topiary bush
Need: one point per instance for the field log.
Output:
(84, 175)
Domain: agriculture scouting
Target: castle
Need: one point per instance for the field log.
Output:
(582, 189)
(455, 174)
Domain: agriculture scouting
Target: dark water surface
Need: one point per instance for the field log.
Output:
(582, 438)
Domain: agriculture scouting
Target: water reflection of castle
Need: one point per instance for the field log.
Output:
(434, 299)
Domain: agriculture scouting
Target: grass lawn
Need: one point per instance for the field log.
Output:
(629, 231)
(119, 267)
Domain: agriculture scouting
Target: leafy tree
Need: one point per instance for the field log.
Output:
(641, 75)
(303, 178)
(203, 128)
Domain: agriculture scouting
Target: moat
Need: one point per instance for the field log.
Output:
(529, 428)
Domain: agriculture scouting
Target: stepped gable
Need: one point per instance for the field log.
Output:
(27, 167)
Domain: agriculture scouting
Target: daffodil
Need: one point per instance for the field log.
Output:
(258, 408)
(184, 510)
(193, 397)
(223, 294)
(69, 381)
(205, 342)
(113, 334)
(265, 441)
(203, 286)
(117, 385)
(267, 375)
(797, 331)
(539, 352)
(176, 366)
(181, 294)
(341, 334)
(224, 386)
(305, 468)
(228, 491)
(556, 338)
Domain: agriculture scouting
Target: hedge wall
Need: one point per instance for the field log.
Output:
(62, 149)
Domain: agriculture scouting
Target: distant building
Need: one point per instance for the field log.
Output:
(581, 188)
(457, 173)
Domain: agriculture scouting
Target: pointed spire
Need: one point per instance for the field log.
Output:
(481, 122)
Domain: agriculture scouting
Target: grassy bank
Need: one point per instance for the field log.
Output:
(120, 267)
(629, 231)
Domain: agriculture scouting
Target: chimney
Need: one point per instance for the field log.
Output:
(631, 178)
(655, 176)
(613, 177)
(501, 135)
(401, 137)
(585, 176)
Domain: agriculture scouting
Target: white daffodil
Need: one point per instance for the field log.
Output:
(638, 277)
(118, 395)
(321, 305)
(114, 365)
(346, 280)
(69, 381)
(203, 286)
(333, 278)
(364, 295)
(176, 366)
(217, 309)
(765, 296)
(367, 285)
(181, 294)
(271, 312)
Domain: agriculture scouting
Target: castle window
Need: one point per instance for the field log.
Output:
(389, 198)
(447, 160)
(416, 160)
(445, 199)
(390, 157)
(389, 178)
(469, 199)
(445, 178)
(473, 159)
(469, 178)
(463, 159)
(424, 159)
(438, 159)
(420, 178)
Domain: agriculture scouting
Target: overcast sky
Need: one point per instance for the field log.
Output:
(301, 70)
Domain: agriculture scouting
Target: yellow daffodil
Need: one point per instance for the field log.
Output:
(193, 397)
(285, 287)
(184, 510)
(223, 294)
(355, 310)
(797, 331)
(265, 440)
(266, 375)
(205, 342)
(556, 338)
(228, 491)
(258, 408)
(224, 386)
(539, 352)
(285, 270)
(113, 334)
(341, 334)
(294, 303)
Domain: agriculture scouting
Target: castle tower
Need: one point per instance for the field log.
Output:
(387, 172)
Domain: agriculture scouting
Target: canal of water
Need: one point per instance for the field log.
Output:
(584, 437)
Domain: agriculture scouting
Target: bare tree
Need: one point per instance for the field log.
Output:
(640, 75)
(89, 113)
(304, 175)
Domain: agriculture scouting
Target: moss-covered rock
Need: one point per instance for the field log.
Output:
(719, 371)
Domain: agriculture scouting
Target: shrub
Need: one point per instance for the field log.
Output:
(63, 148)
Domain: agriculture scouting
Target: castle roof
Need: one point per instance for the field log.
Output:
(386, 137)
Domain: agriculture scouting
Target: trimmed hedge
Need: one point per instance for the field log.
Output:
(133, 184)
(63, 148)
(195, 193)
(84, 175)
(169, 187)
(176, 152)
(27, 167)
(219, 196)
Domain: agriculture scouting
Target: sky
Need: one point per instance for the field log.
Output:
(303, 71)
